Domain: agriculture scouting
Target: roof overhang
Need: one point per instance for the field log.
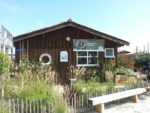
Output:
(71, 24)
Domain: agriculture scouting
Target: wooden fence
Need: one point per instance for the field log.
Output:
(77, 105)
(78, 102)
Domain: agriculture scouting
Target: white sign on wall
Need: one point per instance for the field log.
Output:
(63, 56)
(88, 44)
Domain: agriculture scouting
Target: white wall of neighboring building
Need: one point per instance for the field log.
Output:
(6, 42)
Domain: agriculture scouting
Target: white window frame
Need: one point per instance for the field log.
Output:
(113, 55)
(86, 65)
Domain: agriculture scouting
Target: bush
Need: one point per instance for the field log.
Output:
(60, 105)
(11, 89)
(77, 73)
(3, 107)
(36, 90)
(131, 82)
(34, 83)
(92, 87)
(126, 61)
(108, 70)
(142, 59)
(5, 63)
(124, 71)
(109, 76)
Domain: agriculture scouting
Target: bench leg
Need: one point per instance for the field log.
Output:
(134, 98)
(100, 108)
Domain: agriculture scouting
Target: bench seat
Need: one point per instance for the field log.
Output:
(99, 101)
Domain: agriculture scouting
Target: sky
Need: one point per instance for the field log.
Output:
(125, 19)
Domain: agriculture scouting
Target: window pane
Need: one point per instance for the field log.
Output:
(92, 60)
(82, 53)
(92, 53)
(109, 52)
(82, 60)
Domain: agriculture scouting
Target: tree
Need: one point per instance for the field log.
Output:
(126, 61)
(142, 59)
(5, 63)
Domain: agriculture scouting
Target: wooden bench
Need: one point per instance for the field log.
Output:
(99, 101)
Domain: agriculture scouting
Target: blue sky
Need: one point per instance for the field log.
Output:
(126, 19)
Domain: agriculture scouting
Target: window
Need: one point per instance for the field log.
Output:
(109, 53)
(87, 58)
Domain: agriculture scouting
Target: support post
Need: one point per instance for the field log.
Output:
(116, 62)
(100, 108)
(20, 51)
(27, 49)
(134, 98)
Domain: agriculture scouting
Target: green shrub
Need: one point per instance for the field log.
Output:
(34, 83)
(130, 72)
(60, 105)
(109, 76)
(3, 107)
(142, 59)
(92, 87)
(36, 90)
(96, 75)
(11, 89)
(76, 73)
(5, 63)
(132, 82)
(124, 71)
(108, 70)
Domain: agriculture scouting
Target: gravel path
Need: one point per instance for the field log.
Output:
(126, 106)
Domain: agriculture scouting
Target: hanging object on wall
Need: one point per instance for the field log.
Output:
(63, 56)
(88, 44)
(45, 59)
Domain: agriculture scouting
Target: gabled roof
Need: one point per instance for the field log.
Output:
(71, 24)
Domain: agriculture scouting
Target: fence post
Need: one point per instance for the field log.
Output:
(9, 107)
(75, 102)
(22, 106)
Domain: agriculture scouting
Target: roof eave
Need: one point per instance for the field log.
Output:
(72, 24)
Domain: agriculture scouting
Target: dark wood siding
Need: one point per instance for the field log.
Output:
(55, 41)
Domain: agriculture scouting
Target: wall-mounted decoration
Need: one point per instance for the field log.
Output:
(63, 56)
(88, 44)
(45, 59)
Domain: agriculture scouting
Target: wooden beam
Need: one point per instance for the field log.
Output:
(134, 98)
(20, 51)
(116, 61)
(27, 48)
(100, 108)
(22, 48)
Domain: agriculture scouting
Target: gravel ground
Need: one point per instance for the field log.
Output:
(126, 106)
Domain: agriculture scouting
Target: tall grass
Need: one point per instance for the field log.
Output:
(92, 87)
(3, 107)
(35, 82)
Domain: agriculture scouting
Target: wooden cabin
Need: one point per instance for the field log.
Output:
(67, 43)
